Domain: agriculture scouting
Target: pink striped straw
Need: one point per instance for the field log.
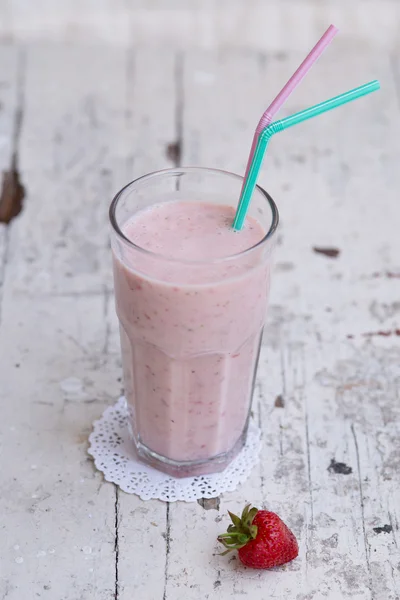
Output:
(290, 86)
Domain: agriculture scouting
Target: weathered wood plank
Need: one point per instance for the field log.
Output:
(56, 373)
(351, 389)
(153, 134)
(8, 111)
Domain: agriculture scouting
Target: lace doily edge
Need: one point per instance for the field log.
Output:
(175, 497)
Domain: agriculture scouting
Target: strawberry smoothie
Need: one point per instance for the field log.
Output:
(191, 296)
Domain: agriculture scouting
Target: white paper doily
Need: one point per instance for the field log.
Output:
(112, 449)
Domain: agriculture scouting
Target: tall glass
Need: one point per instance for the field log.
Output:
(191, 336)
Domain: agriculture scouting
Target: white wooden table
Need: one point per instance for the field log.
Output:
(78, 123)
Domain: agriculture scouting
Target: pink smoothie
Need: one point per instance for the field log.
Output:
(191, 316)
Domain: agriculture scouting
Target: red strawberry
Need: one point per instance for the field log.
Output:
(262, 538)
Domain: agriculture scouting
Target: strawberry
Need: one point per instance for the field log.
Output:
(262, 538)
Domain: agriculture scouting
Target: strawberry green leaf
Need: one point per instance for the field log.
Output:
(235, 519)
(250, 517)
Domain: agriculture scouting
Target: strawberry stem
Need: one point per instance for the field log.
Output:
(242, 531)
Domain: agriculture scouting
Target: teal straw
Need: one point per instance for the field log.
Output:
(280, 125)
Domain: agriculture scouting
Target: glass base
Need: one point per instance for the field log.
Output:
(216, 464)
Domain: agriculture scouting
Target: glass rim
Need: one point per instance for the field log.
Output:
(180, 171)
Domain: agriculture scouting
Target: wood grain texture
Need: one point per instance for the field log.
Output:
(327, 395)
(56, 373)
